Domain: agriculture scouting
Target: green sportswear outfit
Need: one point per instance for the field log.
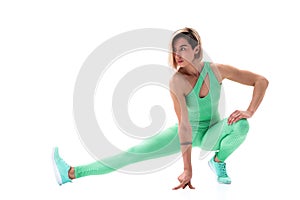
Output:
(208, 132)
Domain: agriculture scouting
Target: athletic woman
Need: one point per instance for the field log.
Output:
(195, 90)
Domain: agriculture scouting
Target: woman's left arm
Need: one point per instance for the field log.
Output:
(259, 82)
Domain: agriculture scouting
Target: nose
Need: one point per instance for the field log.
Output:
(177, 55)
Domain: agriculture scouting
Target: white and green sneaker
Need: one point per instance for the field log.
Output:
(219, 168)
(61, 168)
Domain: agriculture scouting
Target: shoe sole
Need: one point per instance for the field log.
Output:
(56, 171)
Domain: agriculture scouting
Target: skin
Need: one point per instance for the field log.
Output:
(183, 82)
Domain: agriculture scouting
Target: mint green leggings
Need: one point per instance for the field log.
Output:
(220, 137)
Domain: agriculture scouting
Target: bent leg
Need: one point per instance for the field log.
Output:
(225, 138)
(163, 144)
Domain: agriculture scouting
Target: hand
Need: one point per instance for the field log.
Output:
(185, 180)
(237, 115)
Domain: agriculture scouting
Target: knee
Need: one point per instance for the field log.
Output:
(241, 127)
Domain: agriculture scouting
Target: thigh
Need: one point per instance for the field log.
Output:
(165, 142)
(211, 139)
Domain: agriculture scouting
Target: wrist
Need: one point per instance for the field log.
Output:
(187, 168)
(250, 111)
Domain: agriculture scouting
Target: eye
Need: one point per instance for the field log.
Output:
(182, 49)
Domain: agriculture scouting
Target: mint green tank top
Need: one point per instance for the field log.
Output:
(204, 112)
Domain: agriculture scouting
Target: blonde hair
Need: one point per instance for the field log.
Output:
(193, 38)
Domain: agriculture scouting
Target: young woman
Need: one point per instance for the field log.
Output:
(195, 89)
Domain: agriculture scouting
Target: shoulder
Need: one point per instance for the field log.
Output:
(225, 71)
(177, 82)
(217, 70)
(222, 67)
(217, 67)
(176, 79)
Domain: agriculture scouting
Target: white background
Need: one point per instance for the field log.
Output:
(43, 45)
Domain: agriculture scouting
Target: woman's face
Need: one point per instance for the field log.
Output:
(183, 52)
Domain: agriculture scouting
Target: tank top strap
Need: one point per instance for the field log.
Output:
(209, 70)
(203, 73)
(212, 76)
(201, 77)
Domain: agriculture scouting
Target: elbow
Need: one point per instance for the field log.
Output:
(263, 82)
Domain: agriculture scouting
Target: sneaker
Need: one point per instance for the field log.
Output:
(61, 168)
(219, 168)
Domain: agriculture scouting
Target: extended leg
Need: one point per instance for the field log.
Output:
(163, 144)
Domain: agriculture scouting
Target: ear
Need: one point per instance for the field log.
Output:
(197, 49)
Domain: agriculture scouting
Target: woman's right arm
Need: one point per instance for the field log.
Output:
(184, 129)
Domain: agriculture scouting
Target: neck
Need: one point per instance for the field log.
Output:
(192, 69)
